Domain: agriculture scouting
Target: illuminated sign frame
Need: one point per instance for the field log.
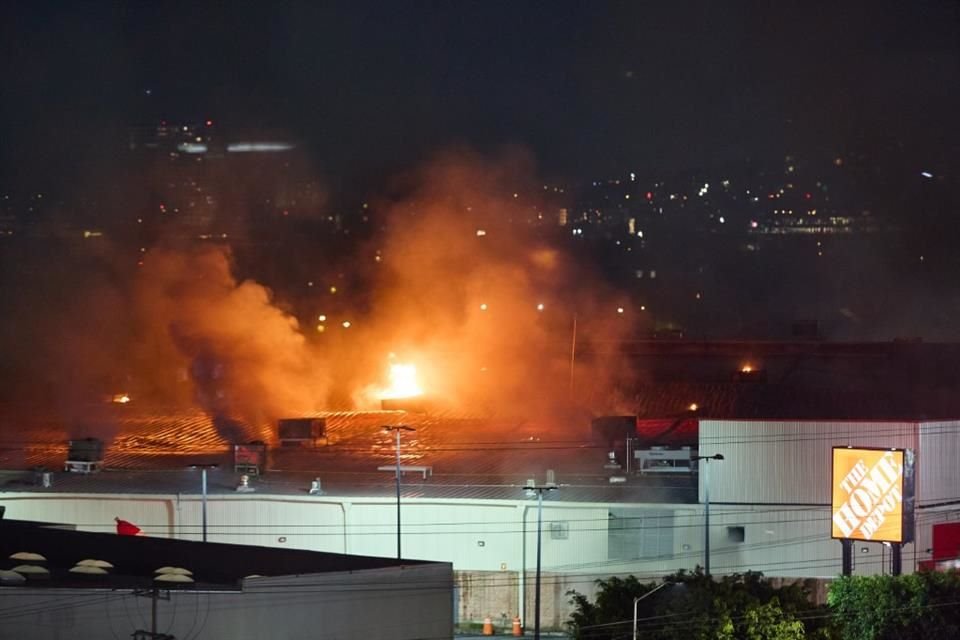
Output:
(873, 498)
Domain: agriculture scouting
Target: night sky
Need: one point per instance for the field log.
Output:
(589, 87)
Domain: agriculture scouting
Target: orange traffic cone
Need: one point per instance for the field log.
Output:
(517, 629)
(487, 626)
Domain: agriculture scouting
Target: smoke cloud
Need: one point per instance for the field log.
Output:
(472, 290)
(245, 356)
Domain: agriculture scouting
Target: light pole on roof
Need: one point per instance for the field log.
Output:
(397, 429)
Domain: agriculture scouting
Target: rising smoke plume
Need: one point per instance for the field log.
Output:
(245, 356)
(473, 290)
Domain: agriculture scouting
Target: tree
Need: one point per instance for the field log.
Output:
(769, 622)
(694, 606)
(918, 606)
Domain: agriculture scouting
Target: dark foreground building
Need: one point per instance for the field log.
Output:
(236, 591)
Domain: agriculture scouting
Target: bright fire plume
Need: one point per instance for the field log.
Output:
(403, 382)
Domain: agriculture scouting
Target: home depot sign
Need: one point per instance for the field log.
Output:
(872, 494)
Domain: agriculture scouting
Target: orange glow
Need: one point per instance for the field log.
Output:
(693, 406)
(747, 368)
(120, 398)
(403, 382)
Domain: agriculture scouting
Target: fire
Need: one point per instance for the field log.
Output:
(403, 382)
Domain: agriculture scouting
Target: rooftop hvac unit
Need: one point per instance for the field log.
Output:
(301, 432)
(663, 460)
(84, 456)
(250, 459)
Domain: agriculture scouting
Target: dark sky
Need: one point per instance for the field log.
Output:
(589, 87)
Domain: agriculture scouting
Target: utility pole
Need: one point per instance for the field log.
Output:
(397, 429)
(539, 490)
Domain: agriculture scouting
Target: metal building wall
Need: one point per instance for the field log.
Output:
(783, 461)
(938, 463)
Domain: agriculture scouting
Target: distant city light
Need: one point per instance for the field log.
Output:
(722, 220)
(346, 324)
(693, 406)
(483, 306)
(322, 318)
(481, 232)
(258, 147)
(192, 147)
(926, 174)
(619, 309)
(540, 307)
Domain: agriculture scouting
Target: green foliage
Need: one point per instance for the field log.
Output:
(919, 606)
(769, 622)
(693, 607)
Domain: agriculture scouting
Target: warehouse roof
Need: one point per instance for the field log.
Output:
(479, 454)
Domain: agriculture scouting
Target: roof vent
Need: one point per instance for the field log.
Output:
(551, 478)
(612, 461)
(244, 486)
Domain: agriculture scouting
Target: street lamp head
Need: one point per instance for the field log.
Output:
(399, 427)
(716, 456)
(205, 466)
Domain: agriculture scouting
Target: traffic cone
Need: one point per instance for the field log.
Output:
(487, 626)
(517, 629)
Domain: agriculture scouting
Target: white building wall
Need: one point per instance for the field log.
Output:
(784, 461)
(938, 463)
(780, 540)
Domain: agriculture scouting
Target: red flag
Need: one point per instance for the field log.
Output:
(125, 528)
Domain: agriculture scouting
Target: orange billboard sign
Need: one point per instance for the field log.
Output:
(871, 500)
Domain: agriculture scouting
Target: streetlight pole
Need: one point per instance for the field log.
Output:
(203, 492)
(706, 508)
(397, 429)
(639, 598)
(573, 350)
(539, 489)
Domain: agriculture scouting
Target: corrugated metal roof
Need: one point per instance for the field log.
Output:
(470, 456)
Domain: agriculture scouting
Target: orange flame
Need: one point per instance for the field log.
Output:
(403, 382)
